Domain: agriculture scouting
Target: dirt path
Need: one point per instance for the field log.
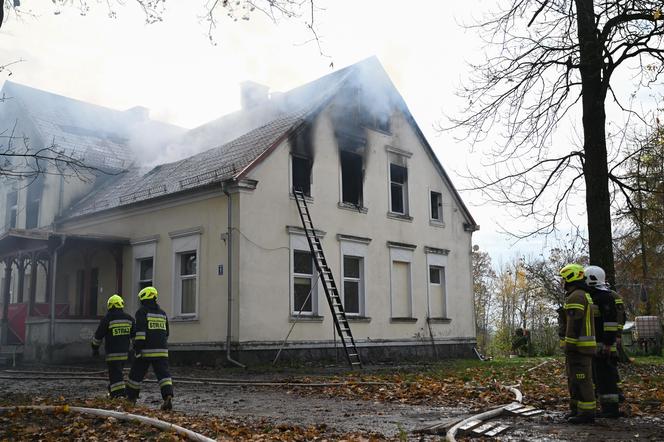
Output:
(281, 405)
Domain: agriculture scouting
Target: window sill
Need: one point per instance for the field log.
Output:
(404, 320)
(439, 320)
(436, 223)
(307, 198)
(184, 319)
(352, 318)
(400, 216)
(352, 207)
(307, 318)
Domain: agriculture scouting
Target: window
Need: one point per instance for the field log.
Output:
(353, 285)
(12, 200)
(437, 294)
(351, 177)
(398, 188)
(437, 206)
(301, 178)
(303, 282)
(187, 282)
(185, 272)
(35, 190)
(145, 267)
(401, 306)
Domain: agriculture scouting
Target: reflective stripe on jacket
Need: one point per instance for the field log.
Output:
(580, 324)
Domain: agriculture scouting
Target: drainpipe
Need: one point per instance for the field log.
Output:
(51, 334)
(230, 281)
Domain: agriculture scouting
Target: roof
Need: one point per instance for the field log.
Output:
(255, 134)
(100, 136)
(227, 161)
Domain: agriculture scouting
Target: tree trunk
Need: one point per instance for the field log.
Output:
(595, 168)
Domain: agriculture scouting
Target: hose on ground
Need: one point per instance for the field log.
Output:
(162, 425)
(451, 433)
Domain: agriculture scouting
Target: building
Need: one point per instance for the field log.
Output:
(219, 234)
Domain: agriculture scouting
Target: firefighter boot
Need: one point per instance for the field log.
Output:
(168, 403)
(610, 411)
(583, 418)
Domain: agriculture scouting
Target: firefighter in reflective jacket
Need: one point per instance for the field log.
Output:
(117, 329)
(579, 343)
(150, 345)
(606, 328)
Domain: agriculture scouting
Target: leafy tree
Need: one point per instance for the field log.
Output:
(546, 59)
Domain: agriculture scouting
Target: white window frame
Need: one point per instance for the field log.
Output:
(299, 242)
(401, 254)
(437, 260)
(357, 248)
(398, 157)
(440, 207)
(185, 242)
(143, 248)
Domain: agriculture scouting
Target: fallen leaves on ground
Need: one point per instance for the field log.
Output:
(64, 424)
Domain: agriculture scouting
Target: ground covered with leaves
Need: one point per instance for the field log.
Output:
(379, 403)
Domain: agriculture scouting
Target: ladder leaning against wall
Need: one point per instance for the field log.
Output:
(327, 280)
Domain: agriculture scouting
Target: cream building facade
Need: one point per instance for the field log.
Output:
(219, 235)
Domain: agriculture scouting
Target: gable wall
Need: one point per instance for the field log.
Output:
(265, 213)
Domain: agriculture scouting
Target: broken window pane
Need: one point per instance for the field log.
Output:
(351, 177)
(188, 263)
(145, 273)
(397, 198)
(302, 174)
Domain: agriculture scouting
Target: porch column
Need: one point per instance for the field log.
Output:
(47, 268)
(117, 255)
(20, 263)
(32, 296)
(5, 300)
(87, 282)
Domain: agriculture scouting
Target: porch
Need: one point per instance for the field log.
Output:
(53, 287)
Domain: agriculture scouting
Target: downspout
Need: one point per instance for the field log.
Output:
(51, 334)
(229, 279)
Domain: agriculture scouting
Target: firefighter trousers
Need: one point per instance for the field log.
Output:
(580, 383)
(605, 375)
(116, 383)
(138, 371)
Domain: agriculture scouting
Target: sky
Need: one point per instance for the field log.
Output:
(172, 68)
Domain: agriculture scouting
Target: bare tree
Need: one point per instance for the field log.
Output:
(545, 57)
(483, 293)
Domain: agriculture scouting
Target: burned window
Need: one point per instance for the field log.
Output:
(398, 188)
(436, 206)
(351, 178)
(12, 200)
(35, 190)
(301, 167)
(377, 121)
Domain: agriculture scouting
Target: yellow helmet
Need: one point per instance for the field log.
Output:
(572, 272)
(148, 293)
(115, 301)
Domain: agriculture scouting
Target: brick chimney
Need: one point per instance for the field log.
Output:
(253, 94)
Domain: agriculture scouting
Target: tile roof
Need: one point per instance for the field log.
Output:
(100, 136)
(284, 113)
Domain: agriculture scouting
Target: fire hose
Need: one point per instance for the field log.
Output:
(162, 425)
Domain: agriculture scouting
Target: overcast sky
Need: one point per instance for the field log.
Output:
(173, 69)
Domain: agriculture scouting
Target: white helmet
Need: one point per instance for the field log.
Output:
(595, 276)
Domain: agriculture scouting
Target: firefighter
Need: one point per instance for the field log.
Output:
(579, 341)
(606, 328)
(150, 345)
(117, 329)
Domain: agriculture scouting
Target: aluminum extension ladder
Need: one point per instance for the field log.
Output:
(327, 280)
